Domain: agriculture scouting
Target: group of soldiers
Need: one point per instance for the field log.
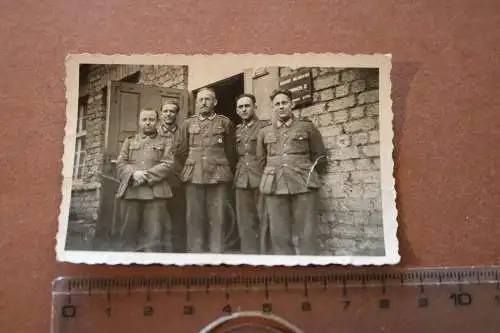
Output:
(176, 181)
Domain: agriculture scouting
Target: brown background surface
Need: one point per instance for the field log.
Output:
(446, 82)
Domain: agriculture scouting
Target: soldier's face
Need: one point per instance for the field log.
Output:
(245, 108)
(282, 106)
(205, 102)
(147, 121)
(169, 114)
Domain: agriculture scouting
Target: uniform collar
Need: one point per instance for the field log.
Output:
(249, 123)
(151, 135)
(287, 123)
(211, 117)
(169, 128)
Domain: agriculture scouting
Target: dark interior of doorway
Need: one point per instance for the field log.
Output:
(227, 90)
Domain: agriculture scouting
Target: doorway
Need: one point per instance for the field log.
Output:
(226, 91)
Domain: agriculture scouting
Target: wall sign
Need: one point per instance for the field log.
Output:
(300, 85)
(258, 72)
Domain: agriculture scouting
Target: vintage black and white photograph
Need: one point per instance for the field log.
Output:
(228, 159)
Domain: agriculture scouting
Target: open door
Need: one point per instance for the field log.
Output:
(125, 100)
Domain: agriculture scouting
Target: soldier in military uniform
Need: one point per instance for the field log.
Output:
(292, 152)
(143, 164)
(249, 202)
(206, 147)
(177, 203)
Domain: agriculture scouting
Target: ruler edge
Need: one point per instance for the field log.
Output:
(304, 275)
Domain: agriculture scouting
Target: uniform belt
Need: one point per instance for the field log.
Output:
(277, 160)
(202, 148)
(195, 152)
(247, 158)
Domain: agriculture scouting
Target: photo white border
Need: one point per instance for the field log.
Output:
(196, 63)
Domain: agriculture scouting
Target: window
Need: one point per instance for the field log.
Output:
(81, 133)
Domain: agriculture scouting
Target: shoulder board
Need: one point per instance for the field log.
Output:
(306, 120)
(239, 125)
(193, 116)
(265, 123)
(223, 117)
(129, 138)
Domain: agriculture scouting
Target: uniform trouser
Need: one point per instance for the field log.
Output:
(205, 216)
(248, 215)
(145, 222)
(293, 216)
(177, 210)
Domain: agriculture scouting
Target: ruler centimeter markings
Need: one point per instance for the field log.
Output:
(315, 300)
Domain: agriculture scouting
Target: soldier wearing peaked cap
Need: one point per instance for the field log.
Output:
(169, 130)
(143, 164)
(250, 209)
(292, 152)
(206, 148)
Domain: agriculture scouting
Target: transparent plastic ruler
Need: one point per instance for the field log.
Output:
(463, 299)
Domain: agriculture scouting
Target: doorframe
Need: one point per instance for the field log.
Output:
(247, 86)
(210, 80)
(108, 111)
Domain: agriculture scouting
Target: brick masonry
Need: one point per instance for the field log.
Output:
(86, 194)
(345, 109)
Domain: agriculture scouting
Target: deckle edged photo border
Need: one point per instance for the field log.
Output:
(162, 152)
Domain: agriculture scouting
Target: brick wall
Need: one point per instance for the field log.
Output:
(345, 109)
(86, 195)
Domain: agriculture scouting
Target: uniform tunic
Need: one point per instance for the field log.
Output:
(291, 152)
(177, 203)
(207, 143)
(145, 205)
(249, 204)
(206, 147)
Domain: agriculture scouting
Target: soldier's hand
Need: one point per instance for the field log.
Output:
(139, 177)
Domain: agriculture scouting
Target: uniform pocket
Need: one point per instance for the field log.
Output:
(194, 129)
(133, 149)
(299, 142)
(223, 169)
(187, 171)
(194, 134)
(253, 145)
(270, 138)
(268, 180)
(209, 165)
(270, 143)
(300, 136)
(218, 135)
(218, 129)
(159, 150)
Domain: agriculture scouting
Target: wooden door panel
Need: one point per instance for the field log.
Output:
(128, 112)
(128, 99)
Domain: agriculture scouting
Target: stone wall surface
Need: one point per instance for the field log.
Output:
(345, 109)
